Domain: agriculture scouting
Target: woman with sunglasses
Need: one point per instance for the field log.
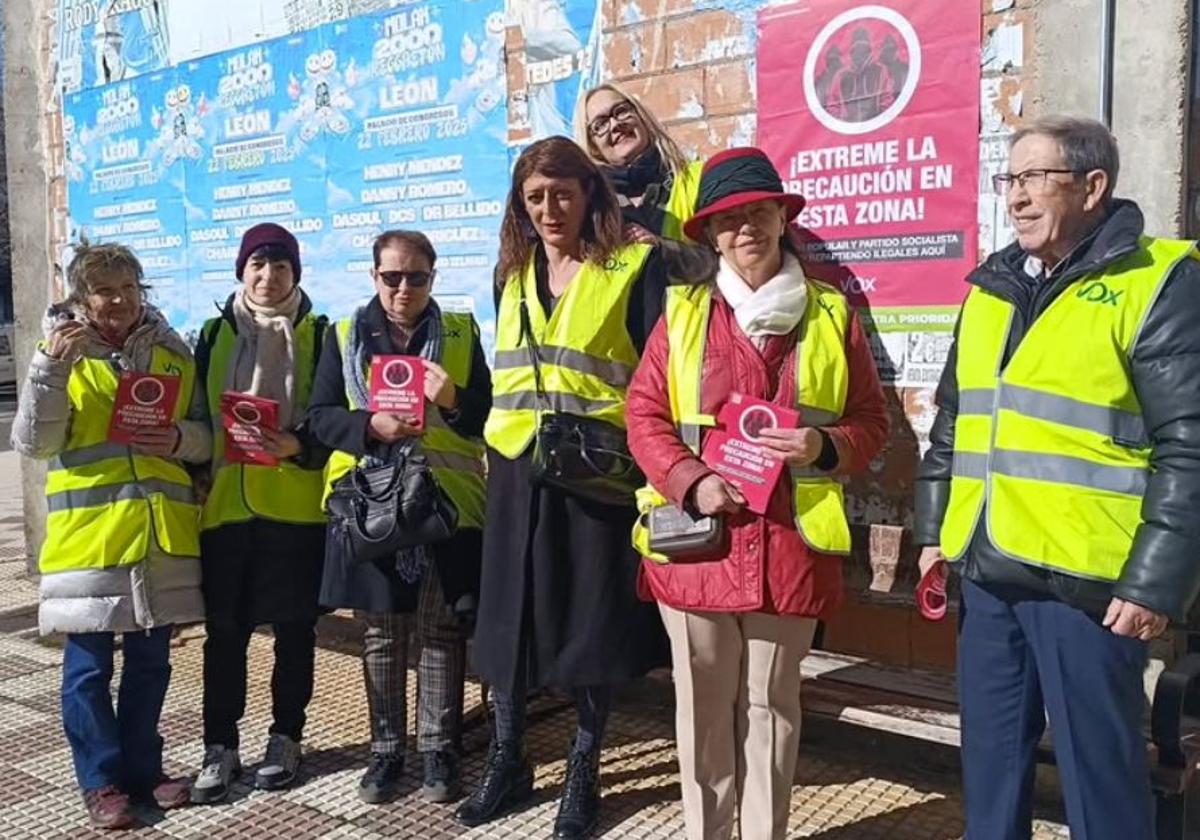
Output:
(558, 604)
(439, 582)
(261, 546)
(655, 183)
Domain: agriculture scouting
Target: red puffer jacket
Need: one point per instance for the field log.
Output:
(769, 568)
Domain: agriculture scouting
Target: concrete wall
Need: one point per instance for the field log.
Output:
(1151, 69)
(28, 122)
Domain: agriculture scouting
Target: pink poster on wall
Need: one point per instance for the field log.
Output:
(871, 112)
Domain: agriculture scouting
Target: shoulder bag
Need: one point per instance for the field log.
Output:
(582, 456)
(379, 510)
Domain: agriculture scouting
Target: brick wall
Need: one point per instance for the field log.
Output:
(693, 64)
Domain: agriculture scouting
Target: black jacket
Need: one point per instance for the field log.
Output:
(374, 586)
(338, 427)
(1163, 569)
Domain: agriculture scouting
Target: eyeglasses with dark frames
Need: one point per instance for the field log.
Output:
(621, 113)
(1035, 179)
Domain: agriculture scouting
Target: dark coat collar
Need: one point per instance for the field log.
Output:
(378, 337)
(1003, 273)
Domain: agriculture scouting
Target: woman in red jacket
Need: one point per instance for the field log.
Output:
(741, 620)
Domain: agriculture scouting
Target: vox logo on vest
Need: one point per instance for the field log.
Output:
(1097, 292)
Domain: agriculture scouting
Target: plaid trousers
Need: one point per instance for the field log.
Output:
(441, 669)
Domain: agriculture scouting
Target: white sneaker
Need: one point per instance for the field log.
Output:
(280, 763)
(221, 766)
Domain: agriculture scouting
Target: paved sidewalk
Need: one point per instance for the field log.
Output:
(851, 785)
(18, 594)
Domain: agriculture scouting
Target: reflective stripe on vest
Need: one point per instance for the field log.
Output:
(822, 381)
(457, 462)
(240, 492)
(107, 505)
(1055, 448)
(681, 205)
(587, 357)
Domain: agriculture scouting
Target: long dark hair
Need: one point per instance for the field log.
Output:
(558, 157)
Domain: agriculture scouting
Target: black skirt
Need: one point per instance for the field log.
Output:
(559, 589)
(374, 586)
(261, 572)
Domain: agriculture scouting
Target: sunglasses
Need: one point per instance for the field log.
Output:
(412, 279)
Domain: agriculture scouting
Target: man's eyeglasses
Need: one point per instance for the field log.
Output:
(622, 112)
(412, 279)
(1030, 179)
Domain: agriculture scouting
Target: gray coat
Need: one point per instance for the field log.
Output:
(159, 590)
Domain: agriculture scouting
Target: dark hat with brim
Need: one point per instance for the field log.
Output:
(735, 177)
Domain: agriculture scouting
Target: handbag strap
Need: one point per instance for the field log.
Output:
(535, 354)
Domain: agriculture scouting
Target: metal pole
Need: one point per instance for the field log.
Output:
(1108, 15)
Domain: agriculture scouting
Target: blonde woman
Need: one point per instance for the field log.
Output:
(655, 183)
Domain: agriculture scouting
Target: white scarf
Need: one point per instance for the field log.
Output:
(263, 362)
(774, 308)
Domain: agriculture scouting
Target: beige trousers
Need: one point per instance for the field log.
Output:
(737, 718)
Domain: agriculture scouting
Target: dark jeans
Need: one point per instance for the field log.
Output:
(1021, 658)
(121, 748)
(225, 679)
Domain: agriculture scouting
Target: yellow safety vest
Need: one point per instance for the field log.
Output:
(587, 357)
(240, 492)
(681, 205)
(822, 379)
(457, 462)
(1055, 444)
(106, 503)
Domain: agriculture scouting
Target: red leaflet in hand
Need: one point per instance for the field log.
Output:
(398, 386)
(143, 400)
(734, 452)
(241, 416)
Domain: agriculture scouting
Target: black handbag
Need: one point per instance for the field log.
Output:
(377, 511)
(582, 456)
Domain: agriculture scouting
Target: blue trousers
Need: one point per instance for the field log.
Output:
(121, 748)
(1020, 660)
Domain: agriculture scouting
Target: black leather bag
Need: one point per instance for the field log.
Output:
(585, 457)
(582, 456)
(379, 510)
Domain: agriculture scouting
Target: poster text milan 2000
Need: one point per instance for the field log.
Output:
(870, 112)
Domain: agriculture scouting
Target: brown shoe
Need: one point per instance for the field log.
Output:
(107, 807)
(171, 793)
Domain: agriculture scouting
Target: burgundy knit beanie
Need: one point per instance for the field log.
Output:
(269, 233)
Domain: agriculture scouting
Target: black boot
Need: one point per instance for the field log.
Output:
(507, 782)
(580, 803)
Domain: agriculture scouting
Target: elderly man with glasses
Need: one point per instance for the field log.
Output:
(1062, 483)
